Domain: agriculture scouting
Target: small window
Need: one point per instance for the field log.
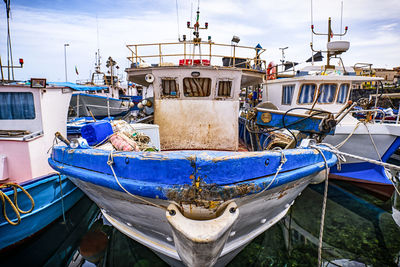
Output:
(17, 106)
(343, 92)
(326, 93)
(224, 88)
(197, 87)
(287, 94)
(169, 87)
(307, 92)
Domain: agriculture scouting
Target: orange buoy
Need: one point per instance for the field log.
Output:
(271, 71)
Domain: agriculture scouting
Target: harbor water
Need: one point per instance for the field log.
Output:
(359, 231)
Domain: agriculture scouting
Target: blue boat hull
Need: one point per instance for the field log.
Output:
(50, 204)
(367, 175)
(173, 175)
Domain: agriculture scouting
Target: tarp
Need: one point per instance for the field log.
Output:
(78, 87)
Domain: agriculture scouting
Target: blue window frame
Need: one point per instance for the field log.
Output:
(17, 106)
(287, 94)
(307, 93)
(327, 93)
(343, 92)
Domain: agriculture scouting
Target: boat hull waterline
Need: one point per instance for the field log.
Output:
(202, 185)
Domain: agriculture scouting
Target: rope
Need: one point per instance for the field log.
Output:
(338, 153)
(14, 205)
(110, 162)
(372, 140)
(62, 199)
(321, 229)
(348, 137)
(283, 161)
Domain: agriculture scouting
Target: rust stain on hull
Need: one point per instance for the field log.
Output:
(209, 196)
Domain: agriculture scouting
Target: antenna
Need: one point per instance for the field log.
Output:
(9, 46)
(333, 49)
(177, 19)
(312, 36)
(97, 64)
(341, 18)
(283, 53)
(10, 65)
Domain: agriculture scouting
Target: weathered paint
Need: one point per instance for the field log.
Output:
(177, 168)
(197, 124)
(300, 122)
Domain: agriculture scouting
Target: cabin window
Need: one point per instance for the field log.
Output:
(17, 106)
(224, 88)
(343, 92)
(326, 93)
(307, 92)
(169, 87)
(287, 94)
(197, 87)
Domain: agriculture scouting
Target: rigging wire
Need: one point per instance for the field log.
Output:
(9, 46)
(312, 35)
(177, 19)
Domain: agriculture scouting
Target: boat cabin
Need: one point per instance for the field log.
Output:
(323, 92)
(29, 118)
(194, 107)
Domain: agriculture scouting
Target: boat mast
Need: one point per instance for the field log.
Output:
(196, 27)
(10, 66)
(330, 35)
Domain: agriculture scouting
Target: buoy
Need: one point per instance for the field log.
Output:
(271, 71)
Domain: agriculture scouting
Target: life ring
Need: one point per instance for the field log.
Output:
(271, 71)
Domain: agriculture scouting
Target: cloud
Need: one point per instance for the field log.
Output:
(39, 34)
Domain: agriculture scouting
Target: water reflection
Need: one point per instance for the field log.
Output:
(54, 245)
(120, 250)
(360, 230)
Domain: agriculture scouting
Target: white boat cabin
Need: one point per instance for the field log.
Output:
(324, 92)
(195, 107)
(29, 118)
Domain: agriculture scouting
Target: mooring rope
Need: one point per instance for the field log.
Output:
(321, 229)
(62, 198)
(348, 137)
(14, 205)
(373, 143)
(334, 150)
(283, 161)
(110, 162)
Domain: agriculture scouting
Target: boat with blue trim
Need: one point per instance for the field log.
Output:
(32, 195)
(201, 196)
(328, 87)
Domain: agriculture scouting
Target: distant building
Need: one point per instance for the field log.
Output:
(364, 71)
(390, 77)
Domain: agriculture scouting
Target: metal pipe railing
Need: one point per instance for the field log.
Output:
(161, 54)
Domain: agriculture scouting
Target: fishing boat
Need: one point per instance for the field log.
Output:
(32, 195)
(96, 101)
(99, 96)
(328, 88)
(202, 197)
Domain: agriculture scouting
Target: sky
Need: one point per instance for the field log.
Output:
(40, 28)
